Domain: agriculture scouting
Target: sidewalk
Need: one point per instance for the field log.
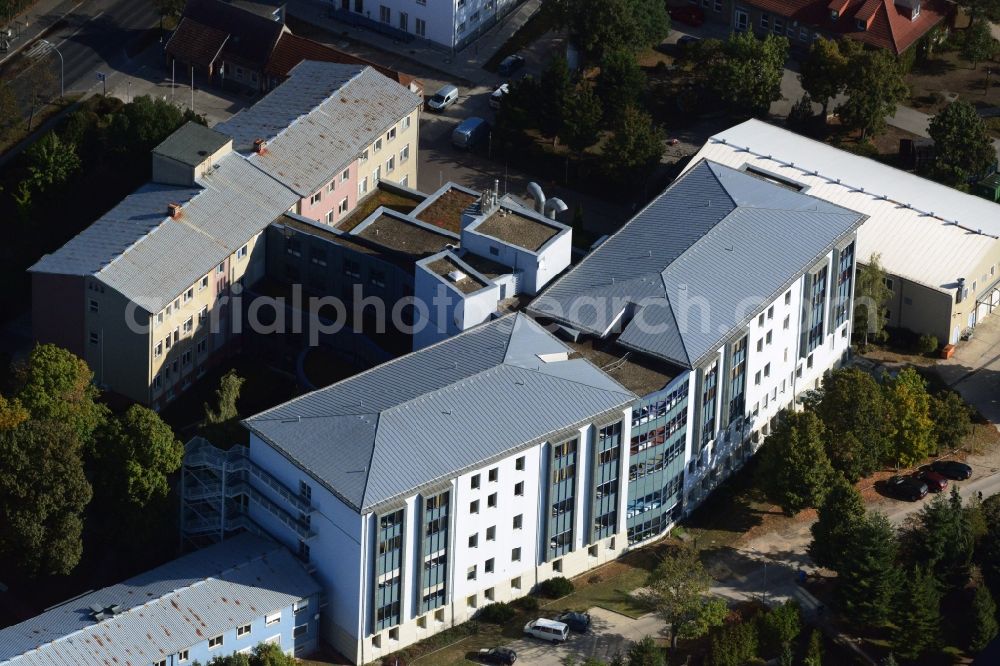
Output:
(918, 122)
(464, 65)
(40, 17)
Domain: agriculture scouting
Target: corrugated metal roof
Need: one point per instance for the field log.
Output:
(192, 144)
(166, 609)
(911, 220)
(150, 257)
(319, 121)
(697, 262)
(423, 417)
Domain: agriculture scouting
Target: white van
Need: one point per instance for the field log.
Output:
(547, 630)
(443, 98)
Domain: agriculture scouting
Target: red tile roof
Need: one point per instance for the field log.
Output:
(888, 25)
(292, 49)
(196, 43)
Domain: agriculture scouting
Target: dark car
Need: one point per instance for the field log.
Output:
(497, 655)
(907, 488)
(952, 469)
(687, 40)
(578, 622)
(935, 482)
(510, 64)
(688, 14)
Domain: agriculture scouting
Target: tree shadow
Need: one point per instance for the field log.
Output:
(934, 67)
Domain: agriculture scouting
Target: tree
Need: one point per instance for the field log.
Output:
(868, 578)
(51, 162)
(582, 121)
(645, 653)
(963, 148)
(12, 413)
(519, 109)
(874, 87)
(832, 533)
(982, 619)
(778, 627)
(41, 85)
(855, 412)
(677, 591)
(169, 7)
(143, 123)
(264, 654)
(11, 119)
(940, 538)
(917, 615)
(599, 26)
(748, 75)
(636, 145)
(987, 9)
(871, 293)
(621, 82)
(43, 493)
(910, 405)
(222, 423)
(987, 553)
(824, 71)
(952, 419)
(814, 653)
(733, 644)
(978, 43)
(794, 470)
(556, 92)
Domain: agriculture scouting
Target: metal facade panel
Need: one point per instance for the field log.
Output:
(166, 609)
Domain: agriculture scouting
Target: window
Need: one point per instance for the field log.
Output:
(328, 218)
(717, 6)
(93, 338)
(767, 370)
(342, 206)
(557, 565)
(491, 501)
(779, 26)
(305, 491)
(378, 144)
(770, 312)
(764, 19)
(860, 24)
(384, 14)
(404, 21)
(768, 338)
(364, 156)
(300, 605)
(390, 164)
(519, 488)
(221, 268)
(420, 27)
(391, 134)
(474, 482)
(471, 601)
(332, 185)
(242, 253)
(188, 324)
(303, 629)
(519, 464)
(242, 631)
(162, 662)
(494, 474)
(491, 533)
(760, 319)
(314, 199)
(404, 124)
(786, 323)
(214, 642)
(474, 540)
(189, 294)
(377, 277)
(93, 305)
(475, 17)
(489, 593)
(518, 521)
(344, 177)
(756, 379)
(204, 282)
(158, 349)
(404, 154)
(788, 297)
(461, 26)
(273, 618)
(474, 506)
(182, 656)
(515, 555)
(471, 573)
(489, 565)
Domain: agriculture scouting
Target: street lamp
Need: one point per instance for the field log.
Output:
(62, 67)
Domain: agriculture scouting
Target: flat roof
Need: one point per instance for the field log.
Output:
(512, 227)
(399, 201)
(446, 210)
(446, 266)
(486, 267)
(637, 372)
(404, 236)
(192, 144)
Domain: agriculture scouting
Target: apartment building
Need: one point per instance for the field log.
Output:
(224, 599)
(144, 294)
(719, 304)
(940, 247)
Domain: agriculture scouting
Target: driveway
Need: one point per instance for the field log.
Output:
(974, 370)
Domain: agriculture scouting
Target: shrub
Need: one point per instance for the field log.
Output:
(554, 588)
(733, 644)
(927, 344)
(527, 604)
(497, 613)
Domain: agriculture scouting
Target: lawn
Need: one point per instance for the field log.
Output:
(944, 76)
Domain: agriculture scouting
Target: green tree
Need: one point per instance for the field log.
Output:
(51, 162)
(582, 121)
(987, 553)
(868, 577)
(645, 652)
(43, 493)
(874, 87)
(599, 26)
(55, 385)
(748, 75)
(838, 518)
(794, 470)
(917, 615)
(556, 93)
(987, 9)
(871, 293)
(941, 539)
(982, 619)
(519, 109)
(621, 82)
(952, 419)
(814, 652)
(855, 412)
(11, 120)
(677, 590)
(635, 146)
(222, 422)
(264, 654)
(169, 7)
(733, 644)
(41, 85)
(824, 71)
(910, 405)
(778, 627)
(143, 123)
(963, 147)
(978, 43)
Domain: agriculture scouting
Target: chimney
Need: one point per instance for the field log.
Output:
(259, 146)
(174, 210)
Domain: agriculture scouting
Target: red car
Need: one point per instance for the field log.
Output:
(935, 482)
(689, 14)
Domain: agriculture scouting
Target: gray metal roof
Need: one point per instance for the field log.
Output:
(319, 120)
(137, 249)
(697, 263)
(191, 144)
(426, 416)
(166, 609)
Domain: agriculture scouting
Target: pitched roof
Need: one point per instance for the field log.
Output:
(292, 49)
(319, 121)
(697, 263)
(888, 25)
(149, 257)
(191, 144)
(431, 414)
(251, 37)
(166, 609)
(924, 231)
(196, 43)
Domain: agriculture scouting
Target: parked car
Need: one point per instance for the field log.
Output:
(443, 98)
(547, 630)
(469, 133)
(935, 482)
(687, 40)
(578, 622)
(496, 98)
(687, 14)
(907, 488)
(952, 469)
(510, 64)
(497, 655)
